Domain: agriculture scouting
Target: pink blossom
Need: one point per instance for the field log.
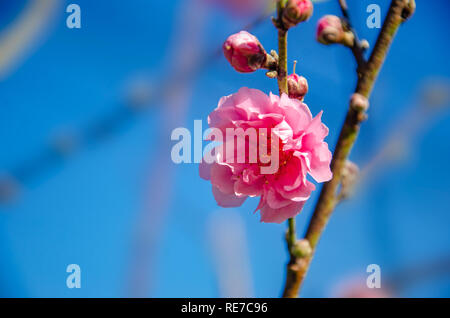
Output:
(244, 52)
(302, 151)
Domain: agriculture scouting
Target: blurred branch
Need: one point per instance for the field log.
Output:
(417, 272)
(327, 200)
(228, 242)
(105, 127)
(282, 51)
(434, 98)
(23, 32)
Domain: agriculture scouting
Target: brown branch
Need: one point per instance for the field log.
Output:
(298, 266)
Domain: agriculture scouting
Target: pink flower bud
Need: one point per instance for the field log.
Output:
(244, 52)
(409, 9)
(330, 30)
(297, 86)
(296, 11)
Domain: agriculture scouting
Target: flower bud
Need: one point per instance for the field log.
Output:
(364, 44)
(297, 86)
(302, 248)
(244, 52)
(330, 30)
(409, 9)
(359, 102)
(349, 179)
(296, 11)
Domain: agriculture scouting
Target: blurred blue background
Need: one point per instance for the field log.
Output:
(86, 174)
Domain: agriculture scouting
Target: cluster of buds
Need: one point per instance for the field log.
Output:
(246, 54)
(297, 85)
(330, 30)
(296, 11)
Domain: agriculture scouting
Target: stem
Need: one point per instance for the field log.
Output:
(292, 279)
(327, 199)
(282, 50)
(291, 236)
(282, 64)
(357, 49)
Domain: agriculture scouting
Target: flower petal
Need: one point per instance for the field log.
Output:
(270, 215)
(222, 178)
(204, 169)
(227, 200)
(275, 200)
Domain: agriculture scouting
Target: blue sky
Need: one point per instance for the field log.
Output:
(86, 209)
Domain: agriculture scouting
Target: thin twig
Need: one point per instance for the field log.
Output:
(357, 49)
(291, 236)
(327, 199)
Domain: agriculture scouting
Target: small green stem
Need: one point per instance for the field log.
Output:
(282, 50)
(282, 64)
(291, 237)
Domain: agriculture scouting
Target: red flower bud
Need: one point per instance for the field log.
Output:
(244, 52)
(297, 86)
(296, 11)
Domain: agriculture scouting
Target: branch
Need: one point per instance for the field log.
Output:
(327, 200)
(291, 236)
(357, 49)
(282, 50)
